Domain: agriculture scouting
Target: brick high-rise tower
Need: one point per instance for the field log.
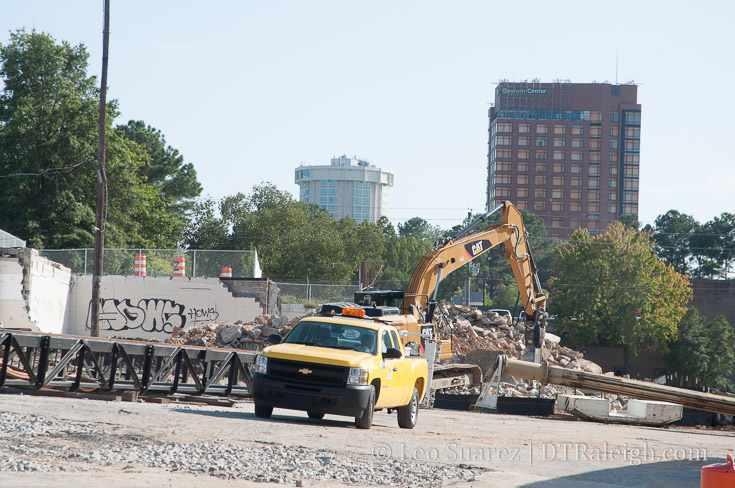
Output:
(568, 152)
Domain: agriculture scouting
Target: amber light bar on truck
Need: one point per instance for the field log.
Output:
(353, 312)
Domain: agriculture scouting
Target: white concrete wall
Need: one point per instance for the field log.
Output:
(150, 307)
(33, 292)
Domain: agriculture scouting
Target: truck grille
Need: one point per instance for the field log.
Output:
(307, 373)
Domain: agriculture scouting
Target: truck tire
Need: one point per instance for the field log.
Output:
(365, 421)
(408, 415)
(315, 415)
(263, 412)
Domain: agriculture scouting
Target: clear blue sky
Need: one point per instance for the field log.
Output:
(249, 90)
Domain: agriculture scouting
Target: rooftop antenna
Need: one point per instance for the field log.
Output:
(616, 66)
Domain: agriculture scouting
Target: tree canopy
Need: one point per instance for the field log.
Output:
(48, 152)
(612, 286)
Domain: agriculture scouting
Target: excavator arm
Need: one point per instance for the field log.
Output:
(464, 247)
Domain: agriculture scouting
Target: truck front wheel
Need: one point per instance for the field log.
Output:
(365, 421)
(263, 412)
(408, 415)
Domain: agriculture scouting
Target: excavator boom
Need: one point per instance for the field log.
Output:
(464, 247)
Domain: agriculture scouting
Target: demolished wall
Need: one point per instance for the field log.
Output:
(34, 291)
(150, 307)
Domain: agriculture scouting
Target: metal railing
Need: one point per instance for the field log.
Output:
(159, 262)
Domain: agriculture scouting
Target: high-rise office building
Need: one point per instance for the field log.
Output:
(568, 152)
(348, 187)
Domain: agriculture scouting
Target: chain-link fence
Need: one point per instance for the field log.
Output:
(316, 293)
(159, 262)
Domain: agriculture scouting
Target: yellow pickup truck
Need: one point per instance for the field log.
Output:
(341, 362)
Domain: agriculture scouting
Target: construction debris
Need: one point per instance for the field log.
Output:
(251, 336)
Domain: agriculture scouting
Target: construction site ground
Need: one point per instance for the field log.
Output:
(48, 441)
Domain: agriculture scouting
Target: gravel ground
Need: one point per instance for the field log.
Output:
(31, 443)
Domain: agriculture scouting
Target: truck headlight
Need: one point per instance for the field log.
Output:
(261, 364)
(358, 376)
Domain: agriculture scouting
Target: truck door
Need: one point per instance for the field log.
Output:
(402, 376)
(390, 389)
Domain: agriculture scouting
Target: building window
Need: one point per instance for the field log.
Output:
(522, 179)
(325, 183)
(560, 129)
(305, 173)
(612, 196)
(504, 165)
(576, 155)
(539, 180)
(542, 141)
(631, 159)
(558, 168)
(575, 207)
(574, 223)
(560, 142)
(613, 143)
(557, 181)
(632, 145)
(613, 170)
(539, 206)
(524, 140)
(612, 208)
(524, 154)
(575, 194)
(595, 145)
(541, 154)
(615, 117)
(505, 140)
(557, 222)
(502, 192)
(612, 183)
(596, 131)
(633, 118)
(522, 192)
(576, 181)
(614, 131)
(522, 205)
(593, 208)
(593, 183)
(613, 157)
(631, 171)
(633, 132)
(540, 167)
(505, 127)
(522, 167)
(557, 206)
(594, 156)
(524, 128)
(630, 184)
(577, 142)
(594, 170)
(577, 130)
(542, 129)
(502, 179)
(557, 193)
(593, 195)
(539, 192)
(504, 153)
(576, 169)
(558, 154)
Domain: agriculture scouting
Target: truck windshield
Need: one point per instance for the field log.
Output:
(336, 336)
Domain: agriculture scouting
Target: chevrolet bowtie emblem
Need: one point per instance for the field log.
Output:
(305, 371)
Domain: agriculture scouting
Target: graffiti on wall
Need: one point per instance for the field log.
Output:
(209, 314)
(148, 315)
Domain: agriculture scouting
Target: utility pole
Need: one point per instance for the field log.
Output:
(99, 228)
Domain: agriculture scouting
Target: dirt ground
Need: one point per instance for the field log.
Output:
(496, 450)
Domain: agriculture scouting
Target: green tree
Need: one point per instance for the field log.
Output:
(48, 152)
(703, 352)
(166, 171)
(418, 227)
(673, 232)
(613, 286)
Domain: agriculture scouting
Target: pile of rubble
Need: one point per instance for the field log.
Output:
(250, 336)
(475, 330)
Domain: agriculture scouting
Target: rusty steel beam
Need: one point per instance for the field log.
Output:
(544, 373)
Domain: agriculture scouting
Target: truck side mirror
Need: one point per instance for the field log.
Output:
(392, 353)
(275, 338)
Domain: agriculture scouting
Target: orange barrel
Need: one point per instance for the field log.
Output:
(226, 272)
(179, 266)
(718, 475)
(139, 265)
